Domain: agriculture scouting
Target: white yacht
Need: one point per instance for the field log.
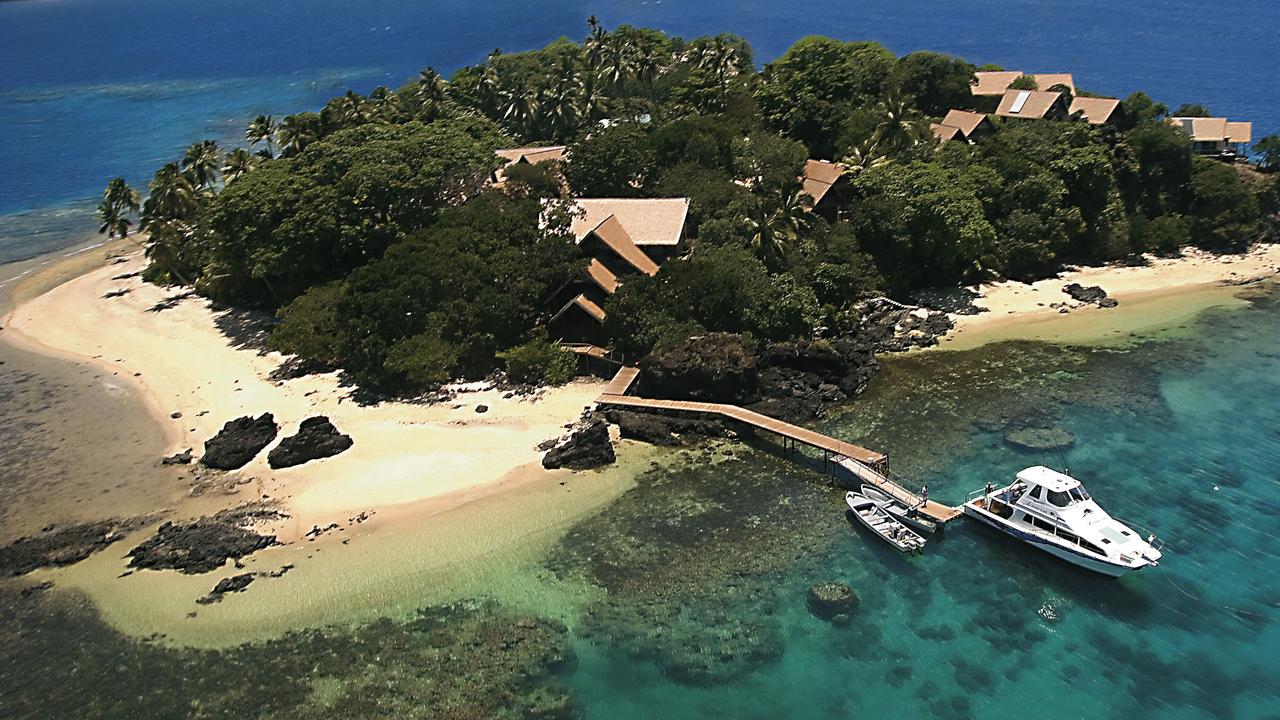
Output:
(1054, 513)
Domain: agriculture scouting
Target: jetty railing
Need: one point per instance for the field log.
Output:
(863, 463)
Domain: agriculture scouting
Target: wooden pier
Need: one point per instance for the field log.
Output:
(868, 465)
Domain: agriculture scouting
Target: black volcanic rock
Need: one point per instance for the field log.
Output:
(713, 367)
(316, 438)
(663, 429)
(202, 545)
(889, 326)
(182, 458)
(588, 446)
(1089, 294)
(235, 583)
(56, 547)
(239, 441)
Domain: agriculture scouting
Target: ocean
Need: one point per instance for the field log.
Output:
(705, 564)
(91, 89)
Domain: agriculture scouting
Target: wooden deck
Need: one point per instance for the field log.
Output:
(620, 384)
(863, 463)
(934, 510)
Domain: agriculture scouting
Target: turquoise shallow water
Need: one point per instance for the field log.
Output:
(980, 626)
(705, 569)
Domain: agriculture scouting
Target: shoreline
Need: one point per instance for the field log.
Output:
(1164, 294)
(457, 503)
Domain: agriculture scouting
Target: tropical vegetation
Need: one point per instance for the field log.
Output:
(371, 229)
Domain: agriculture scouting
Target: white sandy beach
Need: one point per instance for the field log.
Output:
(458, 498)
(182, 363)
(1163, 293)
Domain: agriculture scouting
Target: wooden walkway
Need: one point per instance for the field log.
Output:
(935, 510)
(863, 463)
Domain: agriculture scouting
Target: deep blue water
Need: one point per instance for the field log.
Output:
(90, 89)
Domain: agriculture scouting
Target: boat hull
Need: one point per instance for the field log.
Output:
(1113, 570)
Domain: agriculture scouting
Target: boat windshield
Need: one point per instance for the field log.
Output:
(1067, 498)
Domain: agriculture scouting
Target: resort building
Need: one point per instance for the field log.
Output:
(622, 237)
(995, 83)
(526, 155)
(1216, 136)
(1096, 110)
(825, 183)
(1033, 104)
(963, 125)
(944, 133)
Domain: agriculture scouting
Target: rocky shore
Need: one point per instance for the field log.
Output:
(206, 544)
(60, 546)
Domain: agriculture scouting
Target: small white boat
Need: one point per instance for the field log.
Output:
(880, 522)
(908, 516)
(1053, 512)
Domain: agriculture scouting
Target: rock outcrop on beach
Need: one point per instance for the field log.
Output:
(658, 429)
(586, 446)
(828, 600)
(206, 544)
(1040, 439)
(891, 326)
(182, 458)
(790, 380)
(316, 438)
(56, 547)
(711, 367)
(1092, 294)
(239, 441)
(233, 584)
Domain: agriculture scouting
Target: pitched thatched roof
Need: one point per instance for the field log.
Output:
(602, 276)
(1027, 103)
(819, 176)
(1239, 132)
(1097, 111)
(1202, 129)
(993, 82)
(946, 132)
(965, 120)
(583, 303)
(615, 237)
(997, 82)
(646, 221)
(532, 154)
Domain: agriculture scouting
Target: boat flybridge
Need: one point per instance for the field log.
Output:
(1054, 513)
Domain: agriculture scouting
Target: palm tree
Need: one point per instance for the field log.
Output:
(203, 161)
(648, 61)
(262, 130)
(381, 106)
(118, 202)
(237, 164)
(775, 224)
(899, 125)
(520, 108)
(862, 158)
(165, 248)
(432, 88)
(720, 58)
(593, 104)
(297, 132)
(616, 60)
(351, 109)
(173, 196)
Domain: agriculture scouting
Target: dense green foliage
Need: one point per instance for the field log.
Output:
(539, 362)
(369, 227)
